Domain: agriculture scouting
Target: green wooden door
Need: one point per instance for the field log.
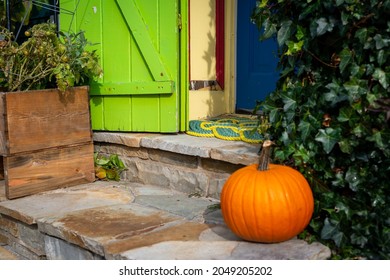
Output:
(144, 84)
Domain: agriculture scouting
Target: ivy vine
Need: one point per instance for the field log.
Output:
(330, 114)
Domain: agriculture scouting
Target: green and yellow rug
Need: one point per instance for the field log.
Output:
(232, 128)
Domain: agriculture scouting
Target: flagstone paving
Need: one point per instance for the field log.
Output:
(130, 221)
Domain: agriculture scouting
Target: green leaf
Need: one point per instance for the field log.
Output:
(111, 174)
(323, 26)
(377, 138)
(380, 43)
(362, 35)
(300, 33)
(359, 130)
(346, 59)
(355, 89)
(345, 146)
(347, 114)
(289, 103)
(332, 231)
(274, 115)
(102, 161)
(359, 239)
(269, 30)
(284, 32)
(381, 57)
(353, 179)
(328, 137)
(263, 3)
(305, 128)
(302, 155)
(294, 47)
(381, 76)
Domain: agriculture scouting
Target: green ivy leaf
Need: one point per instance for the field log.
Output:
(345, 146)
(269, 30)
(300, 33)
(331, 230)
(294, 47)
(323, 26)
(381, 57)
(381, 77)
(359, 239)
(302, 155)
(346, 59)
(328, 137)
(380, 43)
(362, 35)
(263, 3)
(284, 32)
(305, 128)
(359, 130)
(353, 179)
(377, 138)
(347, 114)
(289, 103)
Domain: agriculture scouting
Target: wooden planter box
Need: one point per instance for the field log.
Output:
(45, 140)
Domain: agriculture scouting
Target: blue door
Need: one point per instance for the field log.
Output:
(256, 61)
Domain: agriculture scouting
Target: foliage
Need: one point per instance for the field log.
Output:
(108, 168)
(46, 60)
(18, 11)
(330, 114)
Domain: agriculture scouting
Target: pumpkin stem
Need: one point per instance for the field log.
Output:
(265, 155)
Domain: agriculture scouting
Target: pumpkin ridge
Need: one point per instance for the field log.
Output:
(289, 204)
(294, 177)
(267, 206)
(259, 203)
(235, 194)
(279, 187)
(246, 219)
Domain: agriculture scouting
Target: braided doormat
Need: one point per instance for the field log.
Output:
(232, 128)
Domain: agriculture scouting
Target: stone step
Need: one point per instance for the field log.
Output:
(130, 221)
(180, 162)
(6, 253)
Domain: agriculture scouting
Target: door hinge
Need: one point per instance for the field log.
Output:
(179, 22)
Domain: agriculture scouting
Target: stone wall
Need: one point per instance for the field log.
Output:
(190, 174)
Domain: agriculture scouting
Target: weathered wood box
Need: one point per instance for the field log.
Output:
(45, 140)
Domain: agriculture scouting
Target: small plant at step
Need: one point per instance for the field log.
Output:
(108, 167)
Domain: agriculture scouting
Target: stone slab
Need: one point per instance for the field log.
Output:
(179, 230)
(57, 249)
(92, 229)
(183, 144)
(178, 204)
(134, 221)
(219, 243)
(121, 138)
(229, 250)
(139, 189)
(6, 254)
(237, 153)
(29, 209)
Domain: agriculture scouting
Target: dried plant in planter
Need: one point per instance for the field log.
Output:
(48, 59)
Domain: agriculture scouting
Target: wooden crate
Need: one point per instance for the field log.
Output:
(42, 119)
(45, 140)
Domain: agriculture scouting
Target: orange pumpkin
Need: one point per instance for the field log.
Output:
(267, 202)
